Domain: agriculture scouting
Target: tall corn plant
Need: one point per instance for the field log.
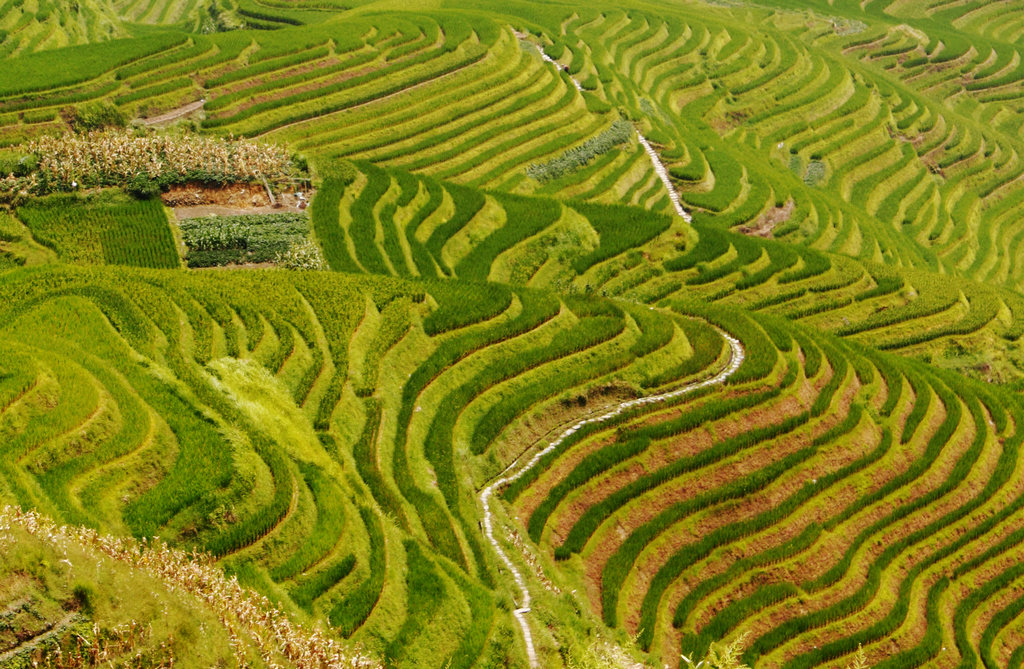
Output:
(727, 656)
(721, 656)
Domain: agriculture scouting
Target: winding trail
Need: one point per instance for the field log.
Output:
(548, 59)
(659, 167)
(174, 114)
(736, 357)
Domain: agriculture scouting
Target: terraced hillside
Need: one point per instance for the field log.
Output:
(848, 505)
(533, 416)
(309, 377)
(276, 429)
(887, 153)
(36, 26)
(460, 98)
(889, 131)
(392, 222)
(28, 26)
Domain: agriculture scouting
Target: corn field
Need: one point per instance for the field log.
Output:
(247, 615)
(112, 158)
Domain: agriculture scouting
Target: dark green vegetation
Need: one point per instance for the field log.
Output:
(853, 171)
(249, 238)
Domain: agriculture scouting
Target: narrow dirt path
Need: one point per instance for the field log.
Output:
(736, 357)
(174, 114)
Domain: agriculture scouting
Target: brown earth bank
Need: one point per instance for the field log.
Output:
(172, 115)
(898, 461)
(1007, 641)
(314, 84)
(598, 552)
(915, 625)
(864, 440)
(193, 200)
(252, 82)
(962, 587)
(683, 445)
(298, 89)
(821, 557)
(765, 225)
(233, 195)
(545, 425)
(796, 572)
(563, 466)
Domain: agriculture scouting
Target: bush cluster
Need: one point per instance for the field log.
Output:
(94, 116)
(252, 238)
(580, 156)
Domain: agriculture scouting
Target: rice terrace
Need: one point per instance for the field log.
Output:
(456, 334)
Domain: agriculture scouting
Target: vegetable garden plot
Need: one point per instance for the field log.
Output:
(214, 241)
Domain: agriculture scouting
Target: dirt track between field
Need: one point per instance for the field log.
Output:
(736, 357)
(174, 114)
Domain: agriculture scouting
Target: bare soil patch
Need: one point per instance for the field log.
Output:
(765, 225)
(174, 114)
(192, 200)
(232, 195)
(247, 265)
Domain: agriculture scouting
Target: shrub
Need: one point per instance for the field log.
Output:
(255, 238)
(143, 187)
(573, 159)
(83, 596)
(304, 255)
(94, 116)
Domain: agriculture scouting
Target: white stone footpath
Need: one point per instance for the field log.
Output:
(662, 173)
(548, 59)
(736, 356)
(659, 167)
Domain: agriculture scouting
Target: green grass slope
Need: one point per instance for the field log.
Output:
(313, 430)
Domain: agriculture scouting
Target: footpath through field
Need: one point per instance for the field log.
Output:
(174, 114)
(514, 471)
(659, 167)
(735, 360)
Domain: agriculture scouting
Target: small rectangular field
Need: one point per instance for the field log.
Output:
(111, 230)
